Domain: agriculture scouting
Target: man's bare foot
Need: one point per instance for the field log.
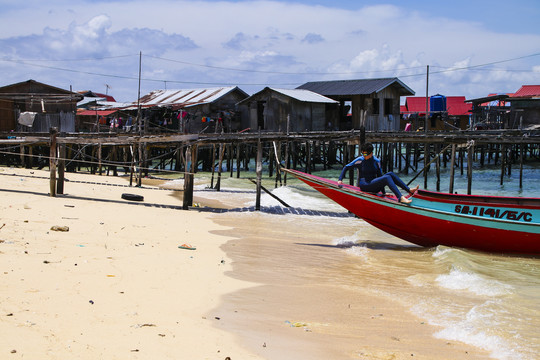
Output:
(404, 200)
(413, 190)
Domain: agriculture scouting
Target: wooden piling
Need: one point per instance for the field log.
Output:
(187, 200)
(52, 161)
(470, 156)
(452, 169)
(61, 168)
(258, 172)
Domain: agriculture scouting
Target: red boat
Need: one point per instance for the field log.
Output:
(498, 224)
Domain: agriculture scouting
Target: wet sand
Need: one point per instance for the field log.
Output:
(314, 302)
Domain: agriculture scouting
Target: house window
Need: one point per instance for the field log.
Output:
(375, 106)
(388, 106)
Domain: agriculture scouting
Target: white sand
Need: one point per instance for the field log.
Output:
(116, 285)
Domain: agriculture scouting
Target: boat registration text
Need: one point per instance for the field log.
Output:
(494, 213)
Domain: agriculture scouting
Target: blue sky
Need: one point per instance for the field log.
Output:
(473, 48)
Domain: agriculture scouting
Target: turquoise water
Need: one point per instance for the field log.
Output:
(489, 301)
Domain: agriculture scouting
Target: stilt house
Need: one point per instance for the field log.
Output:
(36, 107)
(373, 103)
(288, 110)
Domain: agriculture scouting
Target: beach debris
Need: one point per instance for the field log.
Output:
(187, 247)
(264, 344)
(60, 228)
(296, 323)
(70, 206)
(13, 351)
(91, 302)
(217, 318)
(2, 226)
(144, 325)
(132, 197)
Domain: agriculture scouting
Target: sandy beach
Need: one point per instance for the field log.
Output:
(116, 285)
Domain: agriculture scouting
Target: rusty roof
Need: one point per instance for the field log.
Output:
(185, 97)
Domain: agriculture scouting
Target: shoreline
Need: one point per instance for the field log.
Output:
(258, 286)
(301, 310)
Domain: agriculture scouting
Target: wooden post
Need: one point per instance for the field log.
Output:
(258, 171)
(237, 161)
(407, 158)
(308, 157)
(220, 166)
(230, 160)
(132, 167)
(30, 162)
(452, 169)
(438, 169)
(350, 157)
(503, 162)
(139, 177)
(426, 164)
(100, 167)
(277, 153)
(286, 162)
(22, 156)
(213, 165)
(187, 201)
(469, 169)
(521, 166)
(52, 161)
(61, 168)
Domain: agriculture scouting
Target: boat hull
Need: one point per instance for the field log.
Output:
(501, 225)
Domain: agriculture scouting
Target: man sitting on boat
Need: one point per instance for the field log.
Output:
(371, 179)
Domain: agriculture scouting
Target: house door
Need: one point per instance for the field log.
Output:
(261, 114)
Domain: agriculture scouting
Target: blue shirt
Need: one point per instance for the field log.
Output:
(368, 169)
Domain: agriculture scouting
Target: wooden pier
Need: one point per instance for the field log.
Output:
(401, 152)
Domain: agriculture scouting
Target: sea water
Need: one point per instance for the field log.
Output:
(485, 300)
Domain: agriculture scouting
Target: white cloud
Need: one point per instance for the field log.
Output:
(272, 36)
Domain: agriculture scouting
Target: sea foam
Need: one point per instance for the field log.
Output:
(474, 283)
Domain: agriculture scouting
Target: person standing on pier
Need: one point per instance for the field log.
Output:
(371, 179)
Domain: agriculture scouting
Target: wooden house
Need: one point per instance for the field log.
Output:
(192, 110)
(375, 102)
(525, 107)
(519, 110)
(288, 110)
(445, 112)
(490, 112)
(36, 107)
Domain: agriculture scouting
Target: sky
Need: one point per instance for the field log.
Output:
(472, 48)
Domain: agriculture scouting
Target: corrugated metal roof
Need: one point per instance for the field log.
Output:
(528, 91)
(305, 95)
(353, 87)
(184, 97)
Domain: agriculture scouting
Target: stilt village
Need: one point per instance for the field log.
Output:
(317, 126)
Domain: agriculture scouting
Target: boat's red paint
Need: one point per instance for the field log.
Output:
(425, 228)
